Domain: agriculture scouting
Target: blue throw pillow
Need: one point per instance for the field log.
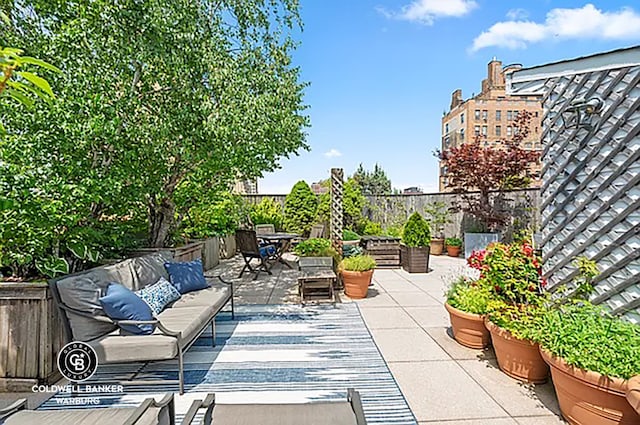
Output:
(268, 250)
(187, 276)
(120, 303)
(159, 295)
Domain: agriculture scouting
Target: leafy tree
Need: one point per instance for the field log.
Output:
(375, 182)
(300, 209)
(353, 202)
(438, 216)
(160, 105)
(218, 217)
(267, 211)
(483, 169)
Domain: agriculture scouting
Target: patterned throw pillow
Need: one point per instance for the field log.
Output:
(159, 295)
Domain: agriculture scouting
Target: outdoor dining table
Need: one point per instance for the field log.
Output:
(282, 242)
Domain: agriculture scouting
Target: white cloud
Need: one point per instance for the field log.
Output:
(517, 14)
(427, 11)
(586, 22)
(333, 153)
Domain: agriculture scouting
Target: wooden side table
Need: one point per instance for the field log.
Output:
(317, 285)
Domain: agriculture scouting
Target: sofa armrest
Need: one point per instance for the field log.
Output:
(13, 408)
(103, 319)
(356, 404)
(167, 402)
(208, 403)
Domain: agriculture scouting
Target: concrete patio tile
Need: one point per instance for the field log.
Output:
(442, 390)
(492, 421)
(387, 318)
(444, 338)
(516, 398)
(376, 298)
(403, 345)
(540, 420)
(429, 317)
(399, 285)
(414, 299)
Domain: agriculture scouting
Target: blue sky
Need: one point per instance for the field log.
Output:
(382, 72)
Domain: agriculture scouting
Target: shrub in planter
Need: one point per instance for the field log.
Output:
(317, 247)
(467, 303)
(453, 246)
(267, 211)
(438, 216)
(349, 237)
(592, 355)
(416, 238)
(300, 208)
(357, 273)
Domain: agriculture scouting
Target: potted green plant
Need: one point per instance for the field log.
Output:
(438, 216)
(466, 304)
(357, 273)
(592, 356)
(320, 249)
(349, 237)
(453, 246)
(414, 249)
(633, 392)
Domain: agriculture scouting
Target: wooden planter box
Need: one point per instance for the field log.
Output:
(227, 246)
(210, 252)
(31, 335)
(188, 252)
(415, 259)
(385, 250)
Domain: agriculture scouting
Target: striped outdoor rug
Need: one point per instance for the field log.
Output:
(276, 354)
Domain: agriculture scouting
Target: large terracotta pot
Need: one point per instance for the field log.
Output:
(518, 358)
(633, 392)
(468, 328)
(356, 284)
(589, 398)
(437, 246)
(453, 251)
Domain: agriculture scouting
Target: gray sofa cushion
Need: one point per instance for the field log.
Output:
(150, 268)
(214, 296)
(114, 348)
(188, 320)
(322, 413)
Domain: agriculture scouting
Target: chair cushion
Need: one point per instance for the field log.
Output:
(116, 348)
(188, 320)
(159, 295)
(267, 250)
(215, 296)
(321, 413)
(120, 303)
(187, 276)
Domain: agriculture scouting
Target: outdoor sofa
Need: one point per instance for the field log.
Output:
(176, 328)
(150, 412)
(348, 412)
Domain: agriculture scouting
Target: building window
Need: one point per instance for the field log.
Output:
(476, 114)
(447, 141)
(446, 128)
(485, 115)
(484, 130)
(509, 131)
(535, 114)
(476, 130)
(509, 115)
(498, 130)
(528, 145)
(462, 135)
(498, 115)
(462, 118)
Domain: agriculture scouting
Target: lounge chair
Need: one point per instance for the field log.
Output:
(348, 412)
(150, 412)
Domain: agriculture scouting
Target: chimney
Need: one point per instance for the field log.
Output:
(456, 99)
(495, 76)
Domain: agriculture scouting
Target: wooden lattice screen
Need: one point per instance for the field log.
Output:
(337, 175)
(590, 195)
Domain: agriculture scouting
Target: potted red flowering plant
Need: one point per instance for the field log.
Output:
(513, 275)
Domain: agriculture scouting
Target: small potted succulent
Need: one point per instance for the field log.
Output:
(454, 245)
(357, 272)
(414, 249)
(467, 302)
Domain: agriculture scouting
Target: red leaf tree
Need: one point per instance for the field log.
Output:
(476, 172)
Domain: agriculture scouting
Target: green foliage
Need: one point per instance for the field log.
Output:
(395, 231)
(588, 338)
(416, 231)
(466, 295)
(374, 183)
(453, 242)
(351, 250)
(350, 235)
(316, 247)
(217, 218)
(353, 202)
(372, 228)
(300, 208)
(587, 271)
(267, 211)
(438, 216)
(358, 263)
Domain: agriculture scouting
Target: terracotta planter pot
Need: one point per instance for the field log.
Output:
(633, 392)
(437, 246)
(356, 284)
(468, 328)
(453, 251)
(589, 398)
(520, 359)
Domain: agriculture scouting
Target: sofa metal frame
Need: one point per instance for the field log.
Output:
(163, 329)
